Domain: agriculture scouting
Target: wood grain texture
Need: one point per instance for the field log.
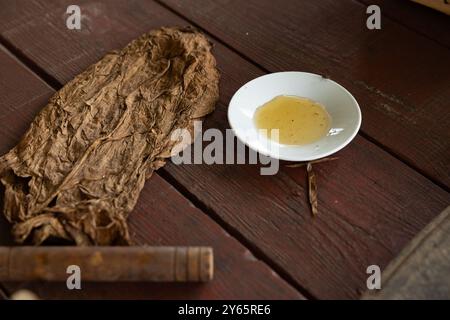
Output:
(399, 77)
(19, 102)
(363, 199)
(371, 204)
(161, 217)
(422, 269)
(416, 17)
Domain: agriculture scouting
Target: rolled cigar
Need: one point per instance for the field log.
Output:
(158, 264)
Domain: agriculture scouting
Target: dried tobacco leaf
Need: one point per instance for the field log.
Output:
(312, 184)
(312, 188)
(78, 171)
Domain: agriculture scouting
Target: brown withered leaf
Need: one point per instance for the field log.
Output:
(78, 171)
(312, 188)
(312, 184)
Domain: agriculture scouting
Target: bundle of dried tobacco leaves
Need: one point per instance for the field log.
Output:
(78, 171)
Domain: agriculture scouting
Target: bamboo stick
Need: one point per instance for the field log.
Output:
(155, 264)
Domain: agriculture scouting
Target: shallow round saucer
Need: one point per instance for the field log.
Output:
(339, 103)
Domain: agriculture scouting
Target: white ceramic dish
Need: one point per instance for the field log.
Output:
(340, 104)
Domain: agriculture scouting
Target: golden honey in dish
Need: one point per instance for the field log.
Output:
(299, 120)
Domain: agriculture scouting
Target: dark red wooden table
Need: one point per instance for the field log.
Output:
(385, 187)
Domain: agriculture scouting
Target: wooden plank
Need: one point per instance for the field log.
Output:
(161, 217)
(416, 17)
(422, 269)
(17, 108)
(364, 198)
(399, 77)
(22, 21)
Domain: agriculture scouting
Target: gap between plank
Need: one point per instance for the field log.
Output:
(54, 84)
(26, 62)
(404, 161)
(362, 133)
